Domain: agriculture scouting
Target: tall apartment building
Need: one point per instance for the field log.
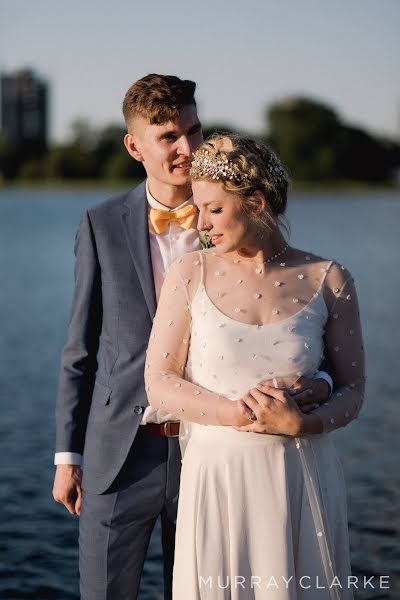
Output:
(24, 112)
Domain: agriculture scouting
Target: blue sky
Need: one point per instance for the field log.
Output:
(243, 55)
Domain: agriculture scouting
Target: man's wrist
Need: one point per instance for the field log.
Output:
(69, 468)
(310, 424)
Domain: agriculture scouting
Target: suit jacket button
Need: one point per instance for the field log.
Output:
(138, 410)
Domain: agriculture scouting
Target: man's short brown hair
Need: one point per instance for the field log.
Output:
(158, 98)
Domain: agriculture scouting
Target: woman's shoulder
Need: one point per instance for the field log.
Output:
(304, 257)
(187, 259)
(328, 265)
(185, 266)
(330, 273)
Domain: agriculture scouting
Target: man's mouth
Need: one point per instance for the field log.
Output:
(183, 166)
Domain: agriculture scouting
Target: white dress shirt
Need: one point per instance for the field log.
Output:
(165, 248)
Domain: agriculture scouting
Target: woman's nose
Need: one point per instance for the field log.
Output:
(202, 225)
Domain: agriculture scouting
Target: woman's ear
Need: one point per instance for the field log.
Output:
(131, 146)
(259, 201)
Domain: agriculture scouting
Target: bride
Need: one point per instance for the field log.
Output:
(260, 516)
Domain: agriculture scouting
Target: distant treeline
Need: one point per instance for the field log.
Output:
(310, 138)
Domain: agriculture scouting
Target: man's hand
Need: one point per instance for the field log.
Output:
(67, 487)
(309, 393)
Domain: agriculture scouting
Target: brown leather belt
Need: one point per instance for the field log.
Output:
(168, 429)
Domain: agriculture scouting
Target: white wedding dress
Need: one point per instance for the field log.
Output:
(260, 516)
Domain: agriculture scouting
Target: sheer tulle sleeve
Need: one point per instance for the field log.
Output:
(167, 390)
(344, 349)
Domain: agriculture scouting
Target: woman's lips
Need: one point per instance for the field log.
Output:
(216, 239)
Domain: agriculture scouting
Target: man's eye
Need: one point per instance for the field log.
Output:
(216, 210)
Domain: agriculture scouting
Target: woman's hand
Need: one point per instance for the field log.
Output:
(275, 410)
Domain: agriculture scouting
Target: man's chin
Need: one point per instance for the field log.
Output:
(180, 178)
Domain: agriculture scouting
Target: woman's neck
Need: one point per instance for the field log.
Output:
(262, 250)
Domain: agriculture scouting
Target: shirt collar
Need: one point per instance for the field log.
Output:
(155, 204)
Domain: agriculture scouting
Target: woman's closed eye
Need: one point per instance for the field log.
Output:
(216, 210)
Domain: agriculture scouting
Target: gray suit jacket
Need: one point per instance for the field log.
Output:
(101, 395)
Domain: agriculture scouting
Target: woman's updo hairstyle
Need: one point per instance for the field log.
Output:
(244, 166)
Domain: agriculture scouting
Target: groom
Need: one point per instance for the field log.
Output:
(110, 443)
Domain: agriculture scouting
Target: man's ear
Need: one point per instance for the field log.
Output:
(260, 201)
(130, 145)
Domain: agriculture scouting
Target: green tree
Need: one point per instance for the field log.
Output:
(32, 169)
(362, 157)
(315, 145)
(305, 135)
(69, 162)
(120, 165)
(109, 142)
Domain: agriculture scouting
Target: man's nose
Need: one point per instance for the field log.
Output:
(184, 146)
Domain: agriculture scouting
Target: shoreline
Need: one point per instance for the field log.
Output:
(340, 186)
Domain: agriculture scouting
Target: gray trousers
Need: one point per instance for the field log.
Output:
(115, 527)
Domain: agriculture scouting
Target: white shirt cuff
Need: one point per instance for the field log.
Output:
(326, 377)
(67, 458)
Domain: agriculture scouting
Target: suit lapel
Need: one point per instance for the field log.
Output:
(136, 229)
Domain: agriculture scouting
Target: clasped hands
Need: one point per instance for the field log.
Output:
(267, 409)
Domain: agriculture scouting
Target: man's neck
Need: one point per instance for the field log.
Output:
(170, 196)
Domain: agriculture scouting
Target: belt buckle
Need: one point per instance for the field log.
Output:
(167, 429)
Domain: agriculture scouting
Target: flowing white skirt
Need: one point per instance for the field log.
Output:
(260, 517)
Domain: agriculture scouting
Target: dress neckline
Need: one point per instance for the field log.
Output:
(315, 297)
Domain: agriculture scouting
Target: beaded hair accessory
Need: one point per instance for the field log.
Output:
(216, 167)
(205, 164)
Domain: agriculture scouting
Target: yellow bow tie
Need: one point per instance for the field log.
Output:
(160, 219)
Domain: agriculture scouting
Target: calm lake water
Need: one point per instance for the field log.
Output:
(38, 539)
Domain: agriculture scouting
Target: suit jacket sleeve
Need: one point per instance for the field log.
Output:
(79, 357)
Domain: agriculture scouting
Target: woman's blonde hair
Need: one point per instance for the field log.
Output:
(245, 166)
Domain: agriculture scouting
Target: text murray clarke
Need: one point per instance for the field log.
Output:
(306, 582)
